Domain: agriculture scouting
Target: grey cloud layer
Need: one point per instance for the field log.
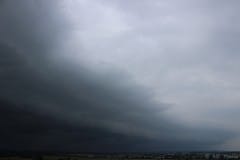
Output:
(35, 76)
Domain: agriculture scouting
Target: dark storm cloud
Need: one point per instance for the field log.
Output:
(22, 129)
(46, 102)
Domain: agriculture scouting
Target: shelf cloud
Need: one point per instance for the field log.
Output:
(107, 76)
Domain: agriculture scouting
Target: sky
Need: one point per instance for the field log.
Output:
(119, 76)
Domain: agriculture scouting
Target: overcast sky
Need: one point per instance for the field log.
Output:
(113, 75)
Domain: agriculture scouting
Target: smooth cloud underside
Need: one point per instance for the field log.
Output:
(52, 101)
